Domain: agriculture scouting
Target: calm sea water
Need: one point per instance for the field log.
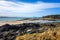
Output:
(17, 18)
(10, 19)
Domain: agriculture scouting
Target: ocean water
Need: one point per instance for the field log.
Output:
(18, 18)
(10, 19)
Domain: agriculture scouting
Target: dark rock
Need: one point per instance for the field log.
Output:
(9, 32)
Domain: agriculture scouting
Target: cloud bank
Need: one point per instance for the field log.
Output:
(9, 7)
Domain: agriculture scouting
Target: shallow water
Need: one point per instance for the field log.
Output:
(41, 21)
(50, 21)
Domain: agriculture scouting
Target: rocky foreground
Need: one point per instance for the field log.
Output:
(14, 32)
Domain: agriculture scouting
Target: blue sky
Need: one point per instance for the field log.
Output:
(29, 8)
(33, 1)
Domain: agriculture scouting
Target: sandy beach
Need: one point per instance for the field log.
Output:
(18, 22)
(10, 22)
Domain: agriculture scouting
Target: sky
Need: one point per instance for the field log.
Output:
(29, 8)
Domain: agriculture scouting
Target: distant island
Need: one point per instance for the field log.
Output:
(3, 17)
(6, 17)
(48, 17)
(52, 16)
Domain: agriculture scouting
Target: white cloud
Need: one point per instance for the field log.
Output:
(12, 7)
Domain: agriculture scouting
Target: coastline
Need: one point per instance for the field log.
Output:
(28, 28)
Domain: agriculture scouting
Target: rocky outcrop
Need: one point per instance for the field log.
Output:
(9, 32)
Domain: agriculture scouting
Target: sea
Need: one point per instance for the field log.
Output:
(10, 19)
(18, 18)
